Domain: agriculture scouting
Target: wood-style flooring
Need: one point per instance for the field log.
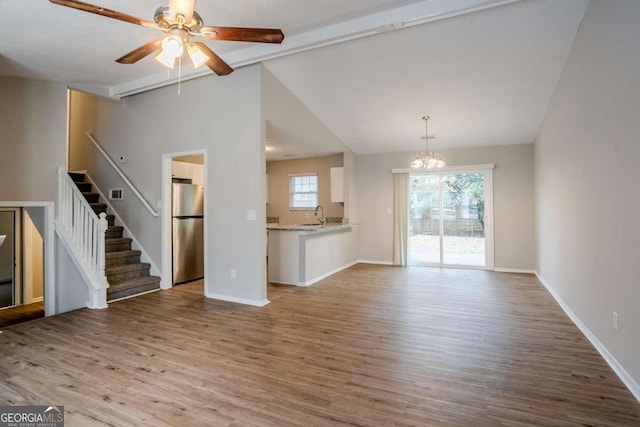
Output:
(20, 314)
(369, 346)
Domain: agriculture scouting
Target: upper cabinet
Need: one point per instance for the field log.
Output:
(337, 185)
(184, 170)
(181, 170)
(197, 174)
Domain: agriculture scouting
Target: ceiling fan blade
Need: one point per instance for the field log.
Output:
(259, 35)
(99, 10)
(216, 63)
(139, 53)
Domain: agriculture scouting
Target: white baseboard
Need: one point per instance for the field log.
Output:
(245, 301)
(368, 261)
(38, 299)
(324, 276)
(624, 376)
(514, 270)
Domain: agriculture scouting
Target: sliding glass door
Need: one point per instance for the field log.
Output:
(449, 219)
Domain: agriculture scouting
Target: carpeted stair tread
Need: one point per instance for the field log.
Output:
(111, 220)
(117, 245)
(114, 232)
(133, 287)
(122, 257)
(98, 207)
(84, 187)
(121, 273)
(115, 269)
(77, 177)
(91, 197)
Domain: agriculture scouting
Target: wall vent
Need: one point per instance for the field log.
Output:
(115, 194)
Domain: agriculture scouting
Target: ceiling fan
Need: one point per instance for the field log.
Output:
(179, 21)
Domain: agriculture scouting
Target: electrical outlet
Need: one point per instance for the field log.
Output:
(389, 211)
(615, 321)
(234, 273)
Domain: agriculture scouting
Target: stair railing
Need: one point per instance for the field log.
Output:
(85, 233)
(122, 175)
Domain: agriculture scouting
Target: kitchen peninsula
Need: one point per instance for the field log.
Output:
(304, 254)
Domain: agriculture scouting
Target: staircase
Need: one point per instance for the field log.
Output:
(126, 275)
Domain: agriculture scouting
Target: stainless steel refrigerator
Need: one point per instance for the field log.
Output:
(188, 232)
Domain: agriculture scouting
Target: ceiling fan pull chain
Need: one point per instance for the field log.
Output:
(179, 73)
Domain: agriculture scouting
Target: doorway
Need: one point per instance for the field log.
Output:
(450, 219)
(22, 265)
(184, 226)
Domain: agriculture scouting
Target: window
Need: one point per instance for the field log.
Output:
(303, 191)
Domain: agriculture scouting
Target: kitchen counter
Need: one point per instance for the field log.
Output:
(304, 254)
(319, 228)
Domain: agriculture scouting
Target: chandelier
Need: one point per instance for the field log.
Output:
(427, 159)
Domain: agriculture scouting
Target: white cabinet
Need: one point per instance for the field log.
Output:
(337, 185)
(181, 170)
(184, 170)
(197, 174)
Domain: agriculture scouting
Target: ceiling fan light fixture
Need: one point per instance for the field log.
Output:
(172, 48)
(166, 59)
(197, 56)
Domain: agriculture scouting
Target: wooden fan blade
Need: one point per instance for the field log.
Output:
(216, 63)
(139, 53)
(259, 35)
(98, 10)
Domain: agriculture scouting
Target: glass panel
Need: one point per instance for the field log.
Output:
(7, 221)
(463, 218)
(424, 226)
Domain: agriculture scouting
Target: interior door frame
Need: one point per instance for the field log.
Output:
(17, 255)
(487, 169)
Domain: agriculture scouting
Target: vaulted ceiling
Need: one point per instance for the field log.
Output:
(484, 70)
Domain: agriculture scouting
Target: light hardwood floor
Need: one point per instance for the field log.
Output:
(370, 346)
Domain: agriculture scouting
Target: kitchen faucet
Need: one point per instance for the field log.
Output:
(321, 219)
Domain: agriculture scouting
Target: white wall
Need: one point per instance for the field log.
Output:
(33, 133)
(587, 155)
(71, 291)
(513, 201)
(221, 115)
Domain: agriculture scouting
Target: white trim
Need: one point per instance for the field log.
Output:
(49, 251)
(514, 270)
(144, 256)
(369, 261)
(624, 376)
(444, 169)
(122, 175)
(255, 303)
(133, 296)
(37, 299)
(324, 276)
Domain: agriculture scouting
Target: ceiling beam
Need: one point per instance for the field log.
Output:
(390, 20)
